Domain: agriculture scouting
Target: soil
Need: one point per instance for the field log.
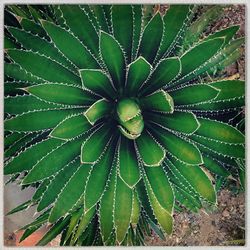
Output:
(225, 226)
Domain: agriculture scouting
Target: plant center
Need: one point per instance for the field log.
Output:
(130, 119)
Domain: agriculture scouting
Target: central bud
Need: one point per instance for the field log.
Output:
(130, 118)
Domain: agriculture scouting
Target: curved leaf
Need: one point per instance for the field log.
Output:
(71, 127)
(98, 82)
(107, 208)
(100, 138)
(27, 159)
(26, 103)
(62, 94)
(57, 72)
(98, 178)
(122, 20)
(151, 38)
(128, 163)
(86, 33)
(184, 122)
(54, 161)
(219, 131)
(197, 179)
(70, 46)
(161, 187)
(177, 146)
(98, 110)
(150, 151)
(40, 45)
(70, 193)
(113, 58)
(167, 70)
(193, 94)
(38, 120)
(159, 101)
(138, 72)
(123, 209)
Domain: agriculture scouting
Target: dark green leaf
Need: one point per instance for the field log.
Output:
(54, 161)
(71, 193)
(151, 38)
(113, 58)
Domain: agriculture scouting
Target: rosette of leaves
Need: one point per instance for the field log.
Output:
(111, 116)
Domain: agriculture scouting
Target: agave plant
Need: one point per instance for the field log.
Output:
(112, 114)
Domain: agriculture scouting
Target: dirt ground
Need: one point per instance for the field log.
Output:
(225, 226)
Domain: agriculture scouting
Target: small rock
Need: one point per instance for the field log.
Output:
(225, 213)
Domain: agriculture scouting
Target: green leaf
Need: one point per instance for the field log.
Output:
(57, 72)
(10, 44)
(12, 138)
(57, 184)
(135, 209)
(183, 150)
(28, 232)
(219, 131)
(123, 209)
(122, 20)
(228, 33)
(231, 150)
(20, 207)
(99, 14)
(194, 94)
(73, 223)
(215, 167)
(28, 158)
(150, 151)
(195, 30)
(62, 94)
(98, 110)
(197, 179)
(38, 120)
(161, 187)
(33, 27)
(151, 38)
(41, 189)
(15, 71)
(54, 231)
(128, 163)
(138, 72)
(70, 193)
(71, 127)
(137, 20)
(70, 46)
(113, 57)
(229, 89)
(97, 81)
(184, 122)
(159, 101)
(19, 145)
(40, 45)
(107, 207)
(174, 24)
(100, 138)
(85, 220)
(98, 178)
(199, 55)
(163, 74)
(12, 88)
(54, 161)
(163, 217)
(86, 33)
(182, 185)
(26, 103)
